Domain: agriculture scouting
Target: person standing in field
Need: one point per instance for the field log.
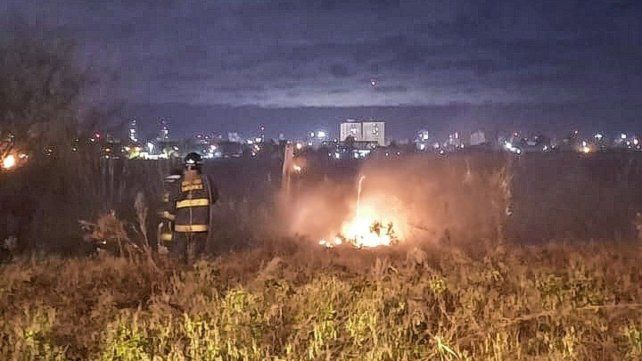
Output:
(192, 223)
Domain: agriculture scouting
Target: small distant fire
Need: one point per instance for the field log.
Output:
(368, 228)
(9, 162)
(12, 161)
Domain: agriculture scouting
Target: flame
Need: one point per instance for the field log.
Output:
(367, 230)
(9, 162)
(370, 227)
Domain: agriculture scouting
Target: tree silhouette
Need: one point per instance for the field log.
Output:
(40, 87)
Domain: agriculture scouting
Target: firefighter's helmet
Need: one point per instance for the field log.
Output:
(193, 161)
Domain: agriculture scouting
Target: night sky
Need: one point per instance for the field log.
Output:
(231, 65)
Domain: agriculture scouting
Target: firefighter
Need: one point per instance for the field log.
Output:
(192, 221)
(168, 211)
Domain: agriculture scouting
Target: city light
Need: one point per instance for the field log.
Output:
(585, 147)
(511, 148)
(365, 136)
(424, 135)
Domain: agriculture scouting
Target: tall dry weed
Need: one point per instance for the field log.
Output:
(510, 302)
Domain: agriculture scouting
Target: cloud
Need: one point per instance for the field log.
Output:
(391, 89)
(339, 70)
(296, 53)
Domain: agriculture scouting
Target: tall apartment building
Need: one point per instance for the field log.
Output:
(364, 131)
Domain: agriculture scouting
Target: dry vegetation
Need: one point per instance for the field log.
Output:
(288, 301)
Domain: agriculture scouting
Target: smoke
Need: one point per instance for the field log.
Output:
(457, 197)
(425, 199)
(315, 210)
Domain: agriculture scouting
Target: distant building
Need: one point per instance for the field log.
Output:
(163, 135)
(234, 137)
(422, 140)
(201, 139)
(354, 150)
(351, 128)
(478, 138)
(317, 138)
(453, 142)
(229, 149)
(423, 135)
(133, 131)
(374, 132)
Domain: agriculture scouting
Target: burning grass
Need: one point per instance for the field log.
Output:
(372, 224)
(289, 301)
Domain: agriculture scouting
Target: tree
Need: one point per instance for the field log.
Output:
(40, 88)
(349, 142)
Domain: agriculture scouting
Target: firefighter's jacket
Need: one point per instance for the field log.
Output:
(193, 204)
(168, 210)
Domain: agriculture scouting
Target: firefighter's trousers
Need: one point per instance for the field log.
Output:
(188, 246)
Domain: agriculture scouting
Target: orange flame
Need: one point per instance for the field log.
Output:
(9, 162)
(372, 225)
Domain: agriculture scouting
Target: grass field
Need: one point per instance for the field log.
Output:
(288, 301)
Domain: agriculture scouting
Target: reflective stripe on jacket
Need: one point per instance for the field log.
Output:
(192, 228)
(193, 205)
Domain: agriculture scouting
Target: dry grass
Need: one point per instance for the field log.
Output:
(287, 301)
